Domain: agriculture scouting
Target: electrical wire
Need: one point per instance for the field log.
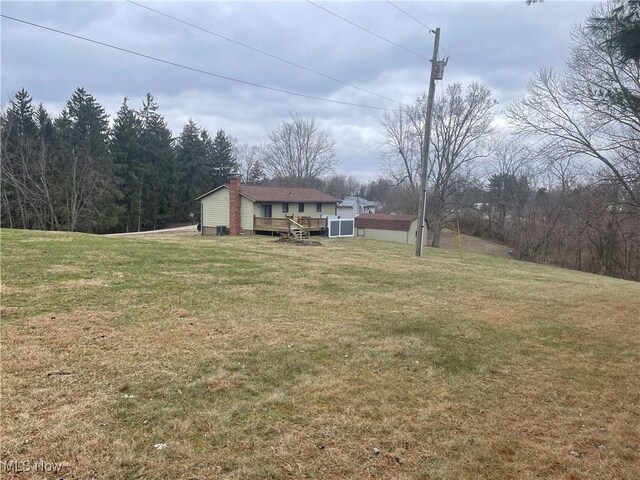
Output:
(193, 69)
(408, 15)
(444, 51)
(368, 31)
(362, 151)
(271, 55)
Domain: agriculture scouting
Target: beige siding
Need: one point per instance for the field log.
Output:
(385, 235)
(215, 208)
(391, 235)
(276, 210)
(345, 212)
(309, 209)
(246, 213)
(327, 209)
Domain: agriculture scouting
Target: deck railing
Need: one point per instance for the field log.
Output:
(311, 222)
(270, 223)
(282, 224)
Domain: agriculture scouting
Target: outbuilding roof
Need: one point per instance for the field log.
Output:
(284, 194)
(351, 201)
(385, 221)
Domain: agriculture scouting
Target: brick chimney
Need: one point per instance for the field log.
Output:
(234, 204)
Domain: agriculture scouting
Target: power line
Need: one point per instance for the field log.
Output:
(193, 69)
(362, 151)
(271, 55)
(446, 53)
(408, 14)
(369, 31)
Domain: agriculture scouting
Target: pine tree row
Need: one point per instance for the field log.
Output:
(78, 173)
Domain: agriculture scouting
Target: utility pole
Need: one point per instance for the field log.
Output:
(437, 72)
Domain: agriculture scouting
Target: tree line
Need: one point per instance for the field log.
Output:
(78, 173)
(561, 183)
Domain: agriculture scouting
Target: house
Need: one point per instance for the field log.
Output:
(250, 208)
(351, 207)
(388, 227)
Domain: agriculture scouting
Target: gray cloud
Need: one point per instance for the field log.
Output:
(500, 44)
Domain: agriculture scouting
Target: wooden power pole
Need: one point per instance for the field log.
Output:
(437, 72)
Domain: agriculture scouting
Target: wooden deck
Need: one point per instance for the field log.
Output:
(282, 224)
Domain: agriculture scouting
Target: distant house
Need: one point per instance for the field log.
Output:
(249, 208)
(388, 227)
(351, 207)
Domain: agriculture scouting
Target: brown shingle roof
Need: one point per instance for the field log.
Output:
(284, 194)
(384, 221)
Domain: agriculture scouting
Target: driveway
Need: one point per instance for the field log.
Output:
(187, 229)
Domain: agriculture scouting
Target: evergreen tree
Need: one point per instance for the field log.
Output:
(256, 175)
(76, 174)
(84, 169)
(191, 152)
(620, 26)
(206, 182)
(19, 141)
(249, 164)
(222, 161)
(46, 167)
(160, 193)
(126, 153)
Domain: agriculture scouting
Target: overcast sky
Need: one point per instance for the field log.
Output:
(498, 43)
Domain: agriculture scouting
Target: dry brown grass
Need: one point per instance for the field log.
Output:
(472, 245)
(252, 359)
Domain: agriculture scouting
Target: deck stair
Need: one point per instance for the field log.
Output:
(297, 231)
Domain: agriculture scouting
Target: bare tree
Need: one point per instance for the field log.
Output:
(402, 131)
(510, 166)
(592, 109)
(586, 123)
(340, 185)
(249, 164)
(510, 154)
(26, 165)
(462, 123)
(298, 152)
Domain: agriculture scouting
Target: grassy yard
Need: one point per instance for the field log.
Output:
(251, 359)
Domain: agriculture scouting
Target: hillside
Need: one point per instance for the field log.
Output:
(471, 244)
(180, 356)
